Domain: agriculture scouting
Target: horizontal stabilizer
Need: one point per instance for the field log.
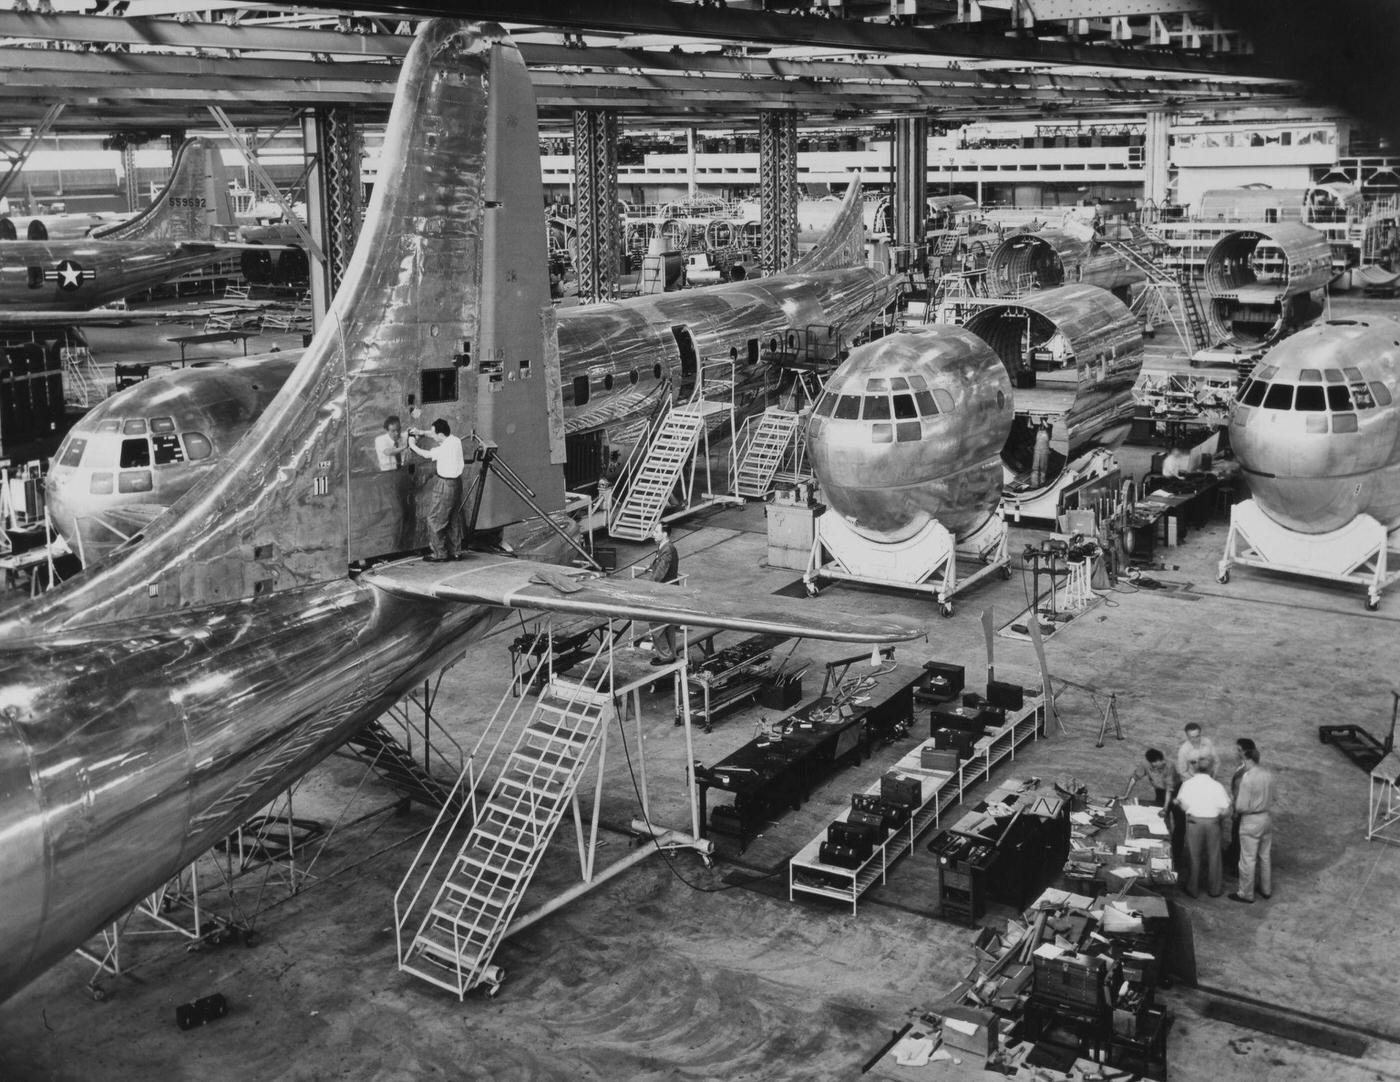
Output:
(524, 584)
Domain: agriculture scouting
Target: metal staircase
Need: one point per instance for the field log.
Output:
(1191, 309)
(1163, 287)
(657, 467)
(452, 942)
(376, 747)
(762, 448)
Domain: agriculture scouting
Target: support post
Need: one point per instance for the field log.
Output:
(334, 200)
(1156, 154)
(595, 203)
(910, 181)
(777, 189)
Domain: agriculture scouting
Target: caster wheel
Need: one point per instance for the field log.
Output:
(194, 948)
(946, 609)
(1372, 604)
(1006, 573)
(811, 589)
(1223, 577)
(97, 992)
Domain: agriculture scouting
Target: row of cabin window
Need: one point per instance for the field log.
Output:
(582, 386)
(142, 452)
(883, 407)
(1315, 397)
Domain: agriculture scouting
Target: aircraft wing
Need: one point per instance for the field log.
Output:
(525, 584)
(94, 317)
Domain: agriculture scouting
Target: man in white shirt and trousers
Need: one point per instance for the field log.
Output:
(444, 491)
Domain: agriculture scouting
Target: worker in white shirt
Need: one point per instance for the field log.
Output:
(1177, 463)
(444, 491)
(390, 445)
(1206, 805)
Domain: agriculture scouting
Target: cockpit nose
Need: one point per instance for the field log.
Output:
(1299, 430)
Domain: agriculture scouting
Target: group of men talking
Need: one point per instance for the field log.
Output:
(1210, 824)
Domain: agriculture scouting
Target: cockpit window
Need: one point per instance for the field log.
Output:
(1311, 399)
(944, 400)
(1310, 375)
(926, 403)
(1344, 422)
(1266, 372)
(136, 454)
(1254, 393)
(824, 406)
(848, 407)
(1353, 374)
(109, 426)
(135, 481)
(73, 453)
(899, 383)
(877, 407)
(1280, 397)
(1361, 395)
(162, 424)
(1334, 375)
(904, 408)
(1380, 393)
(917, 383)
(877, 383)
(167, 449)
(136, 426)
(197, 446)
(1338, 397)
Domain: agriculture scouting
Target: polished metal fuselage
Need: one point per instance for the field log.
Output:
(887, 482)
(1052, 258)
(1260, 281)
(149, 705)
(1315, 470)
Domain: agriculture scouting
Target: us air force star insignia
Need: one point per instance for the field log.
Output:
(69, 275)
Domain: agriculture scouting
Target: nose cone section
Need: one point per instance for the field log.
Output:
(1314, 426)
(911, 428)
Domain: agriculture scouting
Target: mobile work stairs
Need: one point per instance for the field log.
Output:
(451, 942)
(658, 482)
(766, 443)
(1167, 297)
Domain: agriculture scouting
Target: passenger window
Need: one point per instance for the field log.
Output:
(162, 424)
(882, 433)
(1338, 397)
(925, 401)
(909, 431)
(167, 450)
(1310, 375)
(1280, 397)
(580, 390)
(1255, 394)
(134, 427)
(944, 400)
(73, 453)
(135, 481)
(1311, 399)
(136, 454)
(632, 377)
(848, 407)
(656, 371)
(197, 446)
(877, 407)
(1380, 393)
(608, 382)
(904, 408)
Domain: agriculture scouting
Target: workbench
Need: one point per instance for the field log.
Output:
(1170, 509)
(184, 341)
(938, 790)
(772, 772)
(730, 677)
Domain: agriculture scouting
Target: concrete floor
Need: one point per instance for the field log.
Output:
(676, 970)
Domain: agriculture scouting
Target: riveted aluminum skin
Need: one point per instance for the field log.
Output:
(1054, 258)
(1314, 471)
(1091, 402)
(151, 704)
(1272, 269)
(888, 490)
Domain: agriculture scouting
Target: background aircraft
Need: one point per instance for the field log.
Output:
(1265, 283)
(1057, 257)
(56, 282)
(155, 701)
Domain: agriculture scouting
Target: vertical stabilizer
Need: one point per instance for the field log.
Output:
(195, 204)
(843, 244)
(440, 314)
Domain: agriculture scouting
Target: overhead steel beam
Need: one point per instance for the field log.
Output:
(18, 159)
(688, 20)
(1053, 10)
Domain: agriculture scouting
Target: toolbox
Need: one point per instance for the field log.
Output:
(870, 818)
(1075, 980)
(899, 789)
(782, 695)
(943, 682)
(1007, 696)
(955, 740)
(843, 856)
(971, 719)
(895, 815)
(855, 835)
(937, 758)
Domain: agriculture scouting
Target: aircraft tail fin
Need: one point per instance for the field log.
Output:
(195, 204)
(843, 244)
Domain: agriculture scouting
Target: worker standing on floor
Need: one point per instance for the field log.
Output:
(1253, 806)
(1206, 805)
(1040, 458)
(666, 567)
